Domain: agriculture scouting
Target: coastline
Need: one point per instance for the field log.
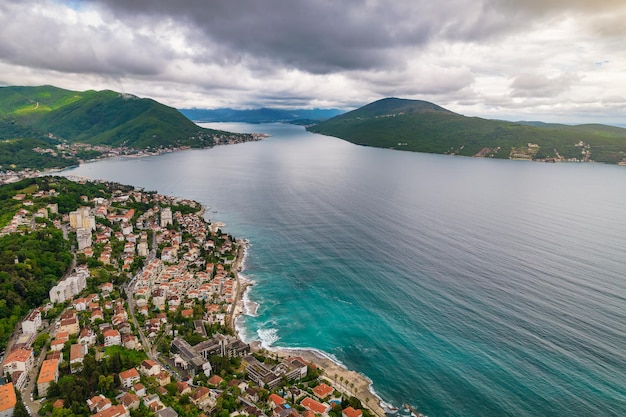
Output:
(336, 374)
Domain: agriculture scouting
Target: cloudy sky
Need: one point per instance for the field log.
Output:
(551, 60)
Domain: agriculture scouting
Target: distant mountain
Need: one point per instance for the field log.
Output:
(421, 126)
(262, 115)
(98, 117)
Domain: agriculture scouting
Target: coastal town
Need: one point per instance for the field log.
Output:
(142, 322)
(84, 152)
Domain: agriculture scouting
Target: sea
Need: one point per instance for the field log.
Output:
(461, 286)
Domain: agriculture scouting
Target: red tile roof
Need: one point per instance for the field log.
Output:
(311, 404)
(323, 390)
(351, 412)
(277, 400)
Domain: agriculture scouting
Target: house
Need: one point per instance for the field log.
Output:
(312, 405)
(274, 400)
(150, 368)
(98, 403)
(49, 372)
(77, 355)
(96, 315)
(129, 377)
(167, 412)
(351, 412)
(130, 401)
(113, 411)
(322, 391)
(57, 345)
(215, 380)
(164, 378)
(129, 341)
(19, 360)
(69, 325)
(183, 388)
(106, 288)
(112, 338)
(200, 395)
(8, 400)
(252, 394)
(87, 337)
(139, 389)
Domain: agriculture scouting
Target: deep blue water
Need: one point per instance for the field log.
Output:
(462, 286)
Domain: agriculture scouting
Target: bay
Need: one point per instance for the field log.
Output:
(462, 286)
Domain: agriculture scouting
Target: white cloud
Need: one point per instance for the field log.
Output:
(540, 59)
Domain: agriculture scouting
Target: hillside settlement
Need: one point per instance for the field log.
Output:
(142, 323)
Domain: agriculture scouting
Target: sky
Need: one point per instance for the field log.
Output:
(550, 60)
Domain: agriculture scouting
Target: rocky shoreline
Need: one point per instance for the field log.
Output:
(344, 380)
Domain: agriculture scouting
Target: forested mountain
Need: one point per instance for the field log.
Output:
(425, 127)
(32, 115)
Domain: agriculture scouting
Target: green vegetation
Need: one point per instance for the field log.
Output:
(47, 116)
(42, 257)
(425, 127)
(34, 260)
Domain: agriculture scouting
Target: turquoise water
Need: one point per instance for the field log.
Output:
(461, 286)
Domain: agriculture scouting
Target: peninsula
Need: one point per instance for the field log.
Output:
(420, 126)
(139, 319)
(46, 127)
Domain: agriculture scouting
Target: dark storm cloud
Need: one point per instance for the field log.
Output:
(315, 36)
(496, 54)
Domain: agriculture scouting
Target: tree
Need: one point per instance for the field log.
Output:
(20, 408)
(105, 383)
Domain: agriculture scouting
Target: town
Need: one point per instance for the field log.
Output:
(143, 321)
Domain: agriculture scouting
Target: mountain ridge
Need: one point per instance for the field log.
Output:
(37, 124)
(259, 115)
(421, 126)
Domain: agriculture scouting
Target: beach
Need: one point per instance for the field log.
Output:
(346, 381)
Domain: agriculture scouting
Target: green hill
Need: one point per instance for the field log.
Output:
(99, 117)
(421, 126)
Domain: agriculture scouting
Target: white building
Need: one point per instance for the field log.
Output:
(166, 217)
(69, 287)
(112, 338)
(32, 323)
(142, 249)
(83, 236)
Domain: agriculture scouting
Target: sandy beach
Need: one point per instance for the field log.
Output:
(339, 377)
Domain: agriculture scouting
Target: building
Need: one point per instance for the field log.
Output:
(322, 391)
(129, 378)
(312, 405)
(69, 287)
(32, 323)
(226, 346)
(150, 368)
(189, 358)
(130, 401)
(69, 325)
(268, 376)
(49, 372)
(77, 355)
(8, 400)
(112, 338)
(21, 360)
(166, 217)
(83, 237)
(351, 412)
(113, 411)
(142, 249)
